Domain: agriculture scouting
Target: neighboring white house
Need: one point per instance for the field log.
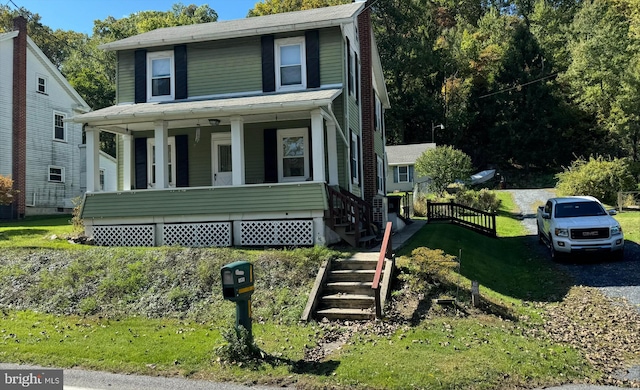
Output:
(401, 160)
(39, 148)
(108, 171)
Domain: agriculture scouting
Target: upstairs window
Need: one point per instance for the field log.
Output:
(291, 70)
(379, 175)
(160, 74)
(354, 158)
(41, 84)
(59, 127)
(378, 113)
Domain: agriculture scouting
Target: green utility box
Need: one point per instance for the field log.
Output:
(237, 281)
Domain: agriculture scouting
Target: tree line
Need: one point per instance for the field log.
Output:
(526, 83)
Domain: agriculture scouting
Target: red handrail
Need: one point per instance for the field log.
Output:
(385, 252)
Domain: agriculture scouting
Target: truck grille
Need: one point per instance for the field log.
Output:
(589, 234)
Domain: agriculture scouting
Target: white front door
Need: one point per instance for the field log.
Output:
(221, 155)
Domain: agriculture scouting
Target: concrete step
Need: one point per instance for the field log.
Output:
(346, 301)
(346, 314)
(358, 288)
(352, 275)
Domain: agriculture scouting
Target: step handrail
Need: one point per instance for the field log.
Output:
(385, 253)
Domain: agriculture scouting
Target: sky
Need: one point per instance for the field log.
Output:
(78, 15)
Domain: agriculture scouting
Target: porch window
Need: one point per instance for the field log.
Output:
(380, 175)
(59, 127)
(290, 63)
(354, 153)
(293, 155)
(56, 174)
(151, 161)
(403, 174)
(160, 82)
(102, 173)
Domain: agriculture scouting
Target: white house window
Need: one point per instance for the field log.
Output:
(353, 156)
(291, 72)
(380, 175)
(41, 84)
(160, 75)
(102, 179)
(403, 174)
(151, 161)
(293, 155)
(56, 174)
(378, 113)
(59, 127)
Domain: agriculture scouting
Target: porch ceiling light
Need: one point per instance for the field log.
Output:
(214, 122)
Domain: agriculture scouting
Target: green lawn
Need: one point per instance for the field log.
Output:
(471, 349)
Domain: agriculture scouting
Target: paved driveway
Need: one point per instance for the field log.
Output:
(614, 278)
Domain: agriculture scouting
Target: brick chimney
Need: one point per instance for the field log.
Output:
(19, 136)
(367, 102)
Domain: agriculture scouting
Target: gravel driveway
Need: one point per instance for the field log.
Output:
(614, 278)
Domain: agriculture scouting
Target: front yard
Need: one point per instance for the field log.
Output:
(159, 311)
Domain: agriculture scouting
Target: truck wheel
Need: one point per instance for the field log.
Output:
(555, 256)
(540, 237)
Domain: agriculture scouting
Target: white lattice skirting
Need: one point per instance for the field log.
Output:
(124, 235)
(287, 232)
(198, 234)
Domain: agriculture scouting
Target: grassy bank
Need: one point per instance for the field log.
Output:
(159, 311)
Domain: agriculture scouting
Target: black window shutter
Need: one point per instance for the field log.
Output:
(180, 54)
(268, 64)
(140, 158)
(310, 154)
(355, 69)
(349, 79)
(140, 75)
(270, 155)
(182, 160)
(312, 48)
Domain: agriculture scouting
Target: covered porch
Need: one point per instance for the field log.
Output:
(236, 171)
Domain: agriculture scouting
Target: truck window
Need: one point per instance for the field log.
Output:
(579, 209)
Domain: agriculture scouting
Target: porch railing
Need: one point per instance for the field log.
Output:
(480, 221)
(348, 210)
(386, 252)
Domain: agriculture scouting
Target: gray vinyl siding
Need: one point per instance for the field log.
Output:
(224, 67)
(192, 201)
(331, 57)
(125, 77)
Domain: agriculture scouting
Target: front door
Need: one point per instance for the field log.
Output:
(221, 154)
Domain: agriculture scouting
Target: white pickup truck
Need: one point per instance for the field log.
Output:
(579, 224)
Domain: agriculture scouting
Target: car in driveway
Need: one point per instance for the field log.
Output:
(579, 225)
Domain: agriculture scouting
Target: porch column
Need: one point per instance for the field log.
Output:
(237, 151)
(161, 131)
(317, 144)
(332, 152)
(93, 158)
(127, 160)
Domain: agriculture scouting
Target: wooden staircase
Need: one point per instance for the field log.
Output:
(351, 218)
(343, 288)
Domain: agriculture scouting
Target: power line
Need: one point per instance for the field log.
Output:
(520, 85)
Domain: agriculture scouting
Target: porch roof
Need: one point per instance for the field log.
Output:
(203, 109)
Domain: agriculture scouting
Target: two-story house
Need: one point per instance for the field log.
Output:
(39, 149)
(252, 132)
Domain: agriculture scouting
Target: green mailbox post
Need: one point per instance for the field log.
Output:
(237, 286)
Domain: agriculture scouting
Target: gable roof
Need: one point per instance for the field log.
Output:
(406, 154)
(269, 24)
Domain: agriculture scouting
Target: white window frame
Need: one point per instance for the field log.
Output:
(103, 177)
(407, 174)
(354, 79)
(380, 172)
(158, 55)
(278, 43)
(151, 165)
(378, 111)
(354, 159)
(64, 126)
(45, 81)
(286, 133)
(61, 174)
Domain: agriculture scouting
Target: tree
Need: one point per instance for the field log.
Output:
(270, 7)
(7, 193)
(444, 165)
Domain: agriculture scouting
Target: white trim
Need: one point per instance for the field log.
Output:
(159, 55)
(64, 126)
(282, 134)
(380, 173)
(61, 174)
(45, 85)
(171, 143)
(355, 176)
(219, 139)
(296, 41)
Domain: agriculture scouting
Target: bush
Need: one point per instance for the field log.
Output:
(426, 266)
(484, 199)
(443, 165)
(598, 177)
(7, 193)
